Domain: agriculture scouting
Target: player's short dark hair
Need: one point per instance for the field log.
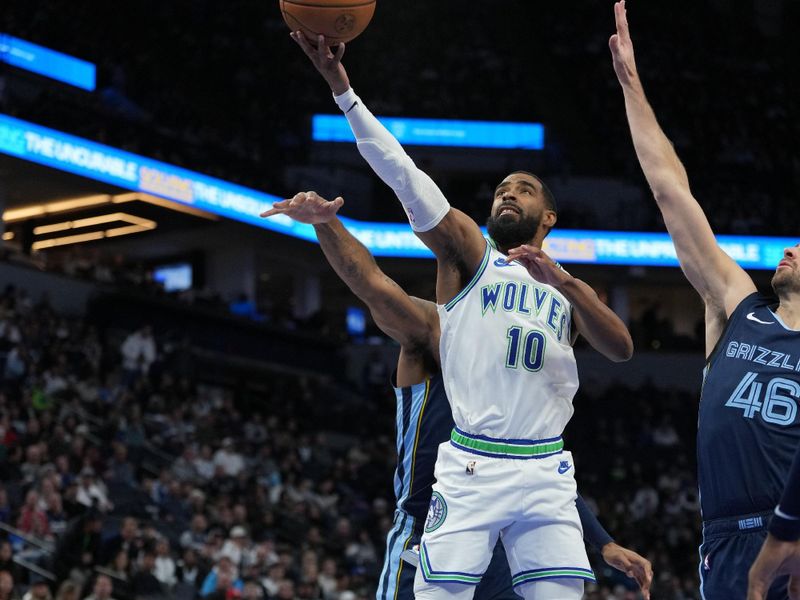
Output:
(549, 199)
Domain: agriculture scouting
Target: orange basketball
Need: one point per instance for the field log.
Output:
(337, 20)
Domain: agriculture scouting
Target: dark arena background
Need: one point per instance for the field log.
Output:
(192, 405)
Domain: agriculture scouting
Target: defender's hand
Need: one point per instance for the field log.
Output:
(306, 207)
(775, 559)
(622, 48)
(541, 267)
(632, 564)
(326, 62)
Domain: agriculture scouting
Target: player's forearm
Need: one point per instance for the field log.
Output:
(604, 330)
(593, 531)
(663, 169)
(350, 259)
(421, 198)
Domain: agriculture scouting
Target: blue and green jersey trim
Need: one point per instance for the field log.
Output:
(552, 573)
(484, 263)
(444, 576)
(500, 448)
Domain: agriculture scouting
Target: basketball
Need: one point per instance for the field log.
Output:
(338, 20)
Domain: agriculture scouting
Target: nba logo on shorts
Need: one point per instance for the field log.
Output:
(471, 467)
(437, 513)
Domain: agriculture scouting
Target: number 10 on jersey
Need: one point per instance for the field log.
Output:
(526, 345)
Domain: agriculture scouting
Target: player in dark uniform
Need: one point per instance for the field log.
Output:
(780, 554)
(748, 428)
(424, 419)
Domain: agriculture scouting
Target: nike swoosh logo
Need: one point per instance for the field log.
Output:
(500, 262)
(564, 469)
(752, 317)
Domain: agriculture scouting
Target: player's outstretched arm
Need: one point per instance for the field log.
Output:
(454, 238)
(595, 321)
(410, 321)
(716, 277)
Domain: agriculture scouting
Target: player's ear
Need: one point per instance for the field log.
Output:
(549, 219)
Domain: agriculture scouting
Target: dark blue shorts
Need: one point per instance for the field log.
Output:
(397, 579)
(730, 546)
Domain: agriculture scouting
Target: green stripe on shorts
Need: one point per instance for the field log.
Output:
(504, 448)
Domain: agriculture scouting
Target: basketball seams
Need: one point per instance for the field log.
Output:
(315, 18)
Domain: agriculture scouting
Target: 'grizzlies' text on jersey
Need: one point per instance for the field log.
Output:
(508, 364)
(748, 428)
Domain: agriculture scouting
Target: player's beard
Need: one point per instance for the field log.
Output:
(785, 284)
(509, 233)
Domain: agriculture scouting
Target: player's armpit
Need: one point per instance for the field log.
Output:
(459, 247)
(411, 322)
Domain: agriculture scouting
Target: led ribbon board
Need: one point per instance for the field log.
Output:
(102, 163)
(439, 132)
(46, 62)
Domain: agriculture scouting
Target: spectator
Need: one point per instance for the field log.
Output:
(7, 559)
(126, 540)
(165, 568)
(92, 491)
(39, 590)
(236, 547)
(195, 537)
(138, 353)
(79, 547)
(7, 588)
(227, 460)
(144, 582)
(103, 589)
(32, 520)
(189, 569)
(69, 590)
(220, 579)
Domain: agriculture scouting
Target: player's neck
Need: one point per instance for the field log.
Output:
(789, 312)
(536, 242)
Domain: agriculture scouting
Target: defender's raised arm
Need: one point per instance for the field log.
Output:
(716, 277)
(407, 320)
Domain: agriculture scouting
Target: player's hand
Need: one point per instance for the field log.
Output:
(775, 559)
(622, 48)
(632, 564)
(541, 267)
(326, 62)
(306, 207)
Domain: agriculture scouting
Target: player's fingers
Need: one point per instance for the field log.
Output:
(339, 52)
(338, 202)
(323, 51)
(270, 213)
(304, 44)
(756, 590)
(794, 588)
(623, 21)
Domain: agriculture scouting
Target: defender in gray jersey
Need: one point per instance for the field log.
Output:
(509, 316)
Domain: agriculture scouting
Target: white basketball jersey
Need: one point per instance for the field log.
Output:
(508, 365)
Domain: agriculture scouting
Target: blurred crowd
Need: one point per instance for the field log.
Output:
(227, 93)
(122, 479)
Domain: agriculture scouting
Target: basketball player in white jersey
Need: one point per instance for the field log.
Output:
(509, 316)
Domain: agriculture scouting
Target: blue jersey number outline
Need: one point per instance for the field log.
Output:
(779, 404)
